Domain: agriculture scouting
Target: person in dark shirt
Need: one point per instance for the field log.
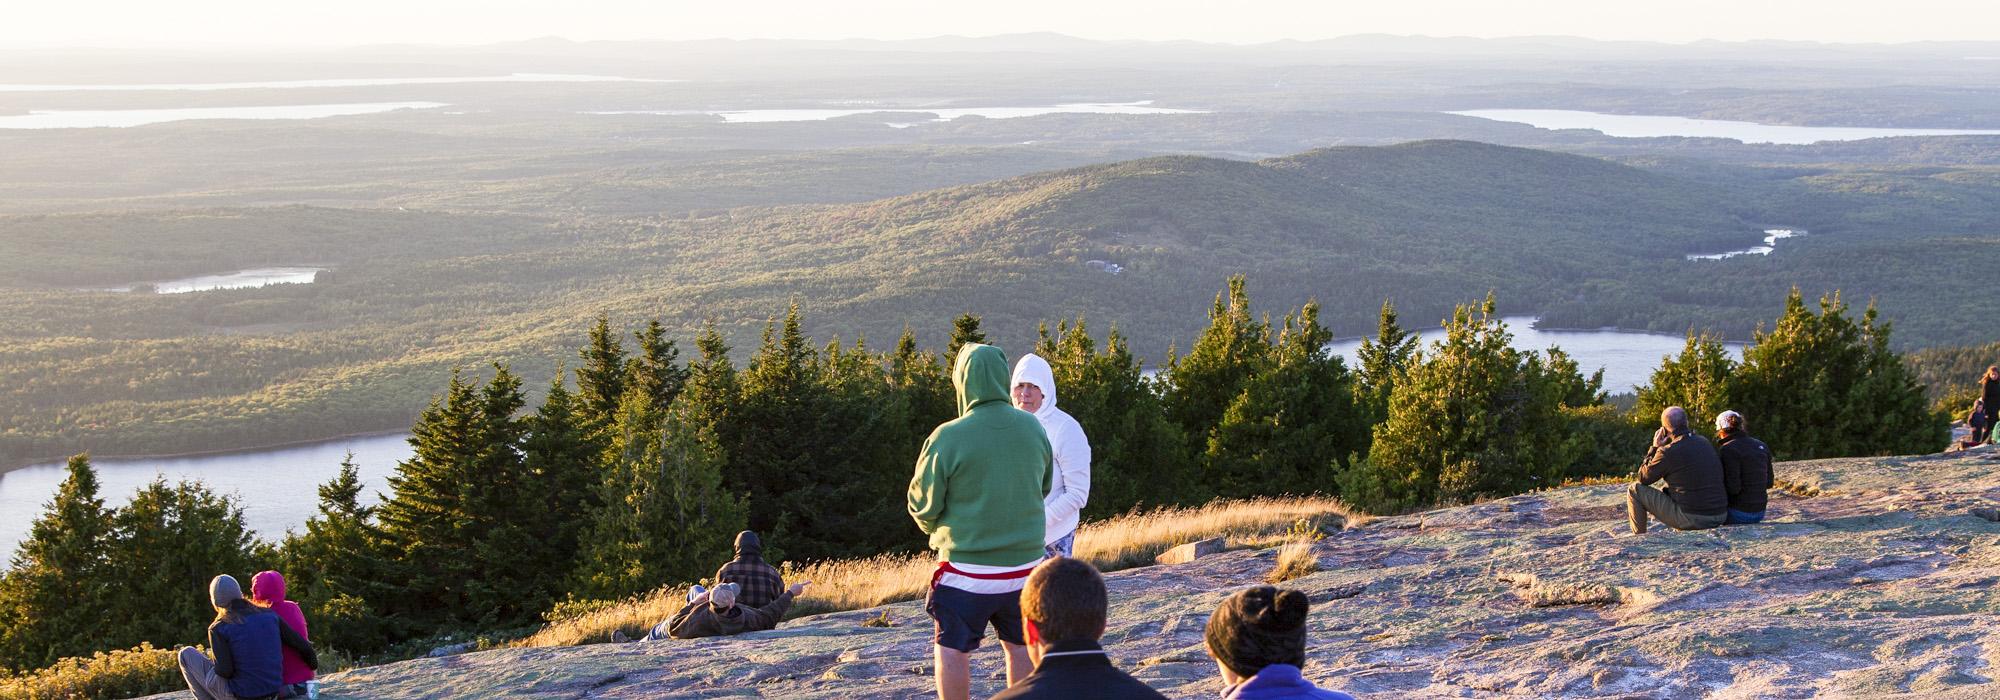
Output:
(1746, 469)
(1063, 608)
(1694, 498)
(246, 640)
(758, 583)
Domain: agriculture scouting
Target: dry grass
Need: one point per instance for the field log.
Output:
(1547, 594)
(1122, 542)
(1295, 557)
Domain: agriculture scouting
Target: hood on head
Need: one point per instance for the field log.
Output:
(979, 375)
(267, 587)
(1032, 369)
(223, 590)
(747, 544)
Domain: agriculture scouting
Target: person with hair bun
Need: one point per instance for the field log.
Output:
(1258, 638)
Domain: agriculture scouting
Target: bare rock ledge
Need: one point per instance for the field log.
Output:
(1881, 585)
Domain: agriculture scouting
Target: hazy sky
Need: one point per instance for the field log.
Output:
(46, 23)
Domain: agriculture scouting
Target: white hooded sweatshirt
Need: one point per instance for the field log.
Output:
(1071, 488)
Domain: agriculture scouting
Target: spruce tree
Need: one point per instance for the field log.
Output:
(1201, 385)
(335, 566)
(1295, 425)
(1697, 380)
(1383, 358)
(656, 370)
(600, 381)
(55, 585)
(927, 396)
(426, 520)
(1471, 417)
(777, 442)
(964, 329)
(564, 463)
(1818, 385)
(665, 516)
(169, 542)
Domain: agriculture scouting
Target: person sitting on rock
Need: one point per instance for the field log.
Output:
(1989, 394)
(246, 641)
(758, 583)
(1746, 469)
(715, 613)
(1694, 498)
(1981, 421)
(1258, 639)
(1062, 614)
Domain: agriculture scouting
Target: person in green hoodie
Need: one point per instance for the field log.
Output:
(978, 492)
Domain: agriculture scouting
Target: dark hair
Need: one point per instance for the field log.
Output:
(1066, 600)
(1259, 627)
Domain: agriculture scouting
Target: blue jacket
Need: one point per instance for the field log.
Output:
(247, 652)
(1279, 681)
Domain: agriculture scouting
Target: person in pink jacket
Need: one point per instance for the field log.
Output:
(268, 590)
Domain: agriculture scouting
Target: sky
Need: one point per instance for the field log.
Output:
(335, 23)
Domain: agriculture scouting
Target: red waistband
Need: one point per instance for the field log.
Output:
(945, 567)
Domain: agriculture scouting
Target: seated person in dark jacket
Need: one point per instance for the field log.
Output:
(760, 583)
(1062, 614)
(1694, 497)
(716, 613)
(1746, 469)
(246, 640)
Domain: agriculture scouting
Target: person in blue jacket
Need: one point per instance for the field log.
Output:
(1258, 638)
(247, 641)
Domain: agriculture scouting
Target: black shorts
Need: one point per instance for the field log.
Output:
(962, 617)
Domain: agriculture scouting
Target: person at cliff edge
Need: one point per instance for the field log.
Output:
(1035, 392)
(1694, 498)
(978, 491)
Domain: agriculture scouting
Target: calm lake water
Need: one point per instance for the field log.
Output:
(278, 485)
(754, 116)
(331, 83)
(119, 118)
(1641, 126)
(259, 277)
(1771, 238)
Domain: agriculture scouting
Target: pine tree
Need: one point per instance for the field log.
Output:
(1696, 380)
(171, 540)
(712, 391)
(1295, 425)
(1471, 417)
(1383, 358)
(600, 381)
(427, 520)
(964, 329)
(656, 369)
(55, 583)
(336, 565)
(776, 443)
(1818, 385)
(927, 396)
(564, 463)
(665, 515)
(1201, 385)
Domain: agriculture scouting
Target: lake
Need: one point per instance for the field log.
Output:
(331, 83)
(1771, 238)
(120, 118)
(1643, 126)
(245, 279)
(759, 116)
(278, 485)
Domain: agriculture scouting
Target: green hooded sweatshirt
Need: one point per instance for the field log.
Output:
(981, 477)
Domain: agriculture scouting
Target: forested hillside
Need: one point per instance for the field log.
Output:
(411, 293)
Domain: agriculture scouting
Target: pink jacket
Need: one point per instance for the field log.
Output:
(268, 589)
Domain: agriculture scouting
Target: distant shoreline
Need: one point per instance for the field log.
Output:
(10, 466)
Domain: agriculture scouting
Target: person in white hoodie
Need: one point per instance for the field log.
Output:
(1035, 392)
